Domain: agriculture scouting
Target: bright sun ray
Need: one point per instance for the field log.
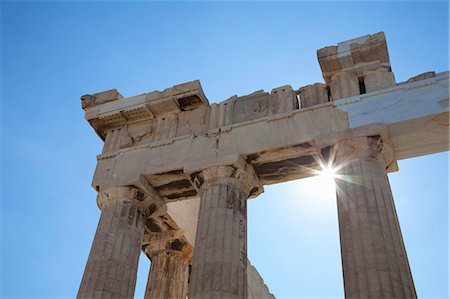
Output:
(323, 182)
(321, 185)
(327, 174)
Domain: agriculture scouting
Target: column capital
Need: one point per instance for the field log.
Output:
(375, 147)
(231, 169)
(242, 176)
(169, 270)
(116, 245)
(144, 200)
(158, 243)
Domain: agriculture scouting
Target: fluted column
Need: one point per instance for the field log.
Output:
(220, 254)
(169, 271)
(374, 258)
(112, 264)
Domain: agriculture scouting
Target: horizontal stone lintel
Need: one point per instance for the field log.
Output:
(414, 117)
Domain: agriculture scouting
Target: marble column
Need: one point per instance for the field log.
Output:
(113, 261)
(220, 254)
(374, 258)
(169, 273)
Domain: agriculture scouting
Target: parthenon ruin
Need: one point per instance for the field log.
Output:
(175, 174)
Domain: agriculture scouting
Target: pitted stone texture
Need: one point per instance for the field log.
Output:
(378, 79)
(168, 276)
(312, 95)
(374, 258)
(220, 256)
(344, 85)
(113, 261)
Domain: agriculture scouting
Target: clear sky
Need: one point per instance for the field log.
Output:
(54, 52)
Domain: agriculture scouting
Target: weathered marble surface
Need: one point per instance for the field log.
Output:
(168, 276)
(112, 265)
(374, 259)
(360, 54)
(219, 266)
(166, 142)
(263, 142)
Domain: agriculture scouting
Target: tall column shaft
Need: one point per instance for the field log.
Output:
(168, 276)
(113, 261)
(374, 258)
(220, 254)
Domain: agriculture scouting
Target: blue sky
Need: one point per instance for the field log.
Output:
(54, 52)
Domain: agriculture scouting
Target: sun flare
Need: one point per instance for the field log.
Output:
(328, 173)
(322, 185)
(326, 181)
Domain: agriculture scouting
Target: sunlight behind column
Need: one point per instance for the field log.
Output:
(321, 186)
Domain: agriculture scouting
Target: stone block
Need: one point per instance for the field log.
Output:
(189, 95)
(422, 76)
(182, 97)
(360, 54)
(90, 100)
(191, 122)
(344, 85)
(162, 106)
(312, 95)
(378, 79)
(250, 107)
(282, 100)
(165, 127)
